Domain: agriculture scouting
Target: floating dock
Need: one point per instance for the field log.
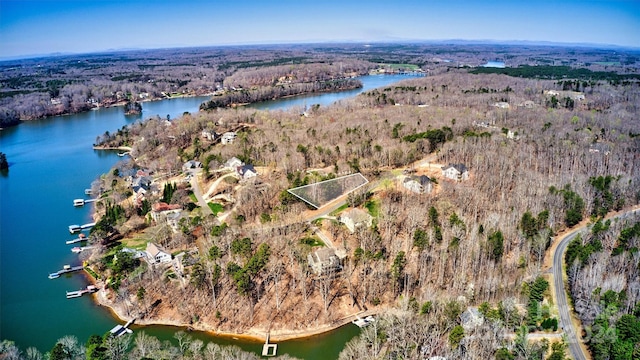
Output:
(269, 349)
(364, 322)
(79, 249)
(81, 238)
(120, 330)
(77, 228)
(81, 202)
(78, 293)
(65, 269)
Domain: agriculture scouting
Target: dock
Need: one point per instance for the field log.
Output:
(79, 293)
(81, 202)
(81, 238)
(79, 249)
(360, 322)
(77, 228)
(120, 330)
(64, 270)
(269, 349)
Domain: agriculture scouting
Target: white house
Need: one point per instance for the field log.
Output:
(418, 184)
(228, 138)
(155, 255)
(455, 172)
(191, 164)
(355, 218)
(324, 260)
(233, 163)
(246, 171)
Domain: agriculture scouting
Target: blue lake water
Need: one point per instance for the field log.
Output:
(51, 163)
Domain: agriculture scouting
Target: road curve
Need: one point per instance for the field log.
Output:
(561, 297)
(577, 352)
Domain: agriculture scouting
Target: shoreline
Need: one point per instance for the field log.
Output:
(253, 334)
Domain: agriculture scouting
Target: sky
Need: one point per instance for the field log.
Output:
(41, 27)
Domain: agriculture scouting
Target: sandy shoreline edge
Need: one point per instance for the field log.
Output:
(253, 334)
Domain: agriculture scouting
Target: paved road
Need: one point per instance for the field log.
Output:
(206, 210)
(561, 297)
(577, 352)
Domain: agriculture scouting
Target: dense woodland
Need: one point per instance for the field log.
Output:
(39, 87)
(483, 241)
(538, 166)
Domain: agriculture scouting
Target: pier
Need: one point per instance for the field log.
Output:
(78, 293)
(79, 249)
(81, 202)
(65, 269)
(77, 228)
(269, 349)
(360, 322)
(81, 237)
(120, 330)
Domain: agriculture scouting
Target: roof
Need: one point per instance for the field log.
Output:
(323, 255)
(161, 206)
(461, 168)
(357, 215)
(422, 179)
(153, 249)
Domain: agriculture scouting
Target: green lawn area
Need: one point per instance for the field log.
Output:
(193, 198)
(215, 207)
(410, 67)
(311, 241)
(373, 207)
(338, 210)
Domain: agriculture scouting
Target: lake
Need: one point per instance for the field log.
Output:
(51, 163)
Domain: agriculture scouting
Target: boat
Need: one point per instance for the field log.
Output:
(360, 322)
(78, 202)
(54, 275)
(74, 228)
(88, 192)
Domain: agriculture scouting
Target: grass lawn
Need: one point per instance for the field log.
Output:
(373, 207)
(215, 207)
(339, 210)
(410, 67)
(193, 198)
(311, 241)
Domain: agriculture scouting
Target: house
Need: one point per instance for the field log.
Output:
(455, 172)
(528, 104)
(246, 171)
(233, 163)
(228, 138)
(191, 164)
(324, 260)
(141, 184)
(209, 135)
(418, 184)
(171, 214)
(355, 218)
(156, 255)
(471, 318)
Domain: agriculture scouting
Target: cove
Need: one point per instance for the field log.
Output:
(51, 163)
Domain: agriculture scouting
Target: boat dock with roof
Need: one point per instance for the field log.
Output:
(64, 270)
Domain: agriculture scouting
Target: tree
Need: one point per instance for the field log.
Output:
(4, 164)
(455, 336)
(495, 243)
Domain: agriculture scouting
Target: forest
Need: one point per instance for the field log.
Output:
(39, 87)
(535, 171)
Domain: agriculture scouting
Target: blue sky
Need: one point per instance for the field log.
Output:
(29, 27)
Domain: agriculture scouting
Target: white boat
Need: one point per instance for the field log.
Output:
(74, 228)
(78, 202)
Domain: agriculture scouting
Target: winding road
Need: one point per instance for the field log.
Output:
(577, 352)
